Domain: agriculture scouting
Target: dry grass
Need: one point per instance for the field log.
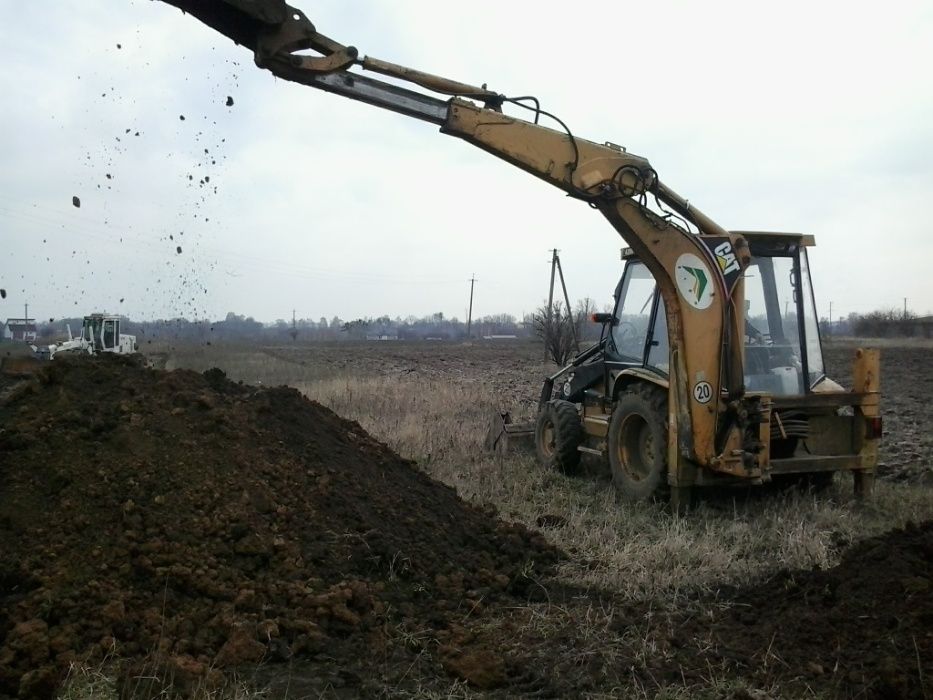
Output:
(99, 682)
(85, 682)
(635, 552)
(640, 550)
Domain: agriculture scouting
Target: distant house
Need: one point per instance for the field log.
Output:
(20, 330)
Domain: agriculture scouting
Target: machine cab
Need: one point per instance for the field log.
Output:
(102, 331)
(783, 355)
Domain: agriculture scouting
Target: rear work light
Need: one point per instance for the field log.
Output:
(874, 428)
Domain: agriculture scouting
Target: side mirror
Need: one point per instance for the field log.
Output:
(602, 318)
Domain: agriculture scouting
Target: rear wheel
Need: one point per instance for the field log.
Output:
(558, 433)
(637, 443)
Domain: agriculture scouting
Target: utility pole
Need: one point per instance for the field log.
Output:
(470, 312)
(550, 301)
(27, 311)
(830, 318)
(905, 308)
(294, 331)
(573, 326)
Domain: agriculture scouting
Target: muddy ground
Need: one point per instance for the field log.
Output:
(199, 527)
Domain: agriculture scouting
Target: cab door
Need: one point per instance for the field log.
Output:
(110, 334)
(638, 336)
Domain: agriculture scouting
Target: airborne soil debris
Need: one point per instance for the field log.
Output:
(229, 101)
(75, 201)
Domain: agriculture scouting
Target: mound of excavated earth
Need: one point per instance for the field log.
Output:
(862, 629)
(181, 517)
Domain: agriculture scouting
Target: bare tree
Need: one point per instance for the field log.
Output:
(586, 329)
(556, 330)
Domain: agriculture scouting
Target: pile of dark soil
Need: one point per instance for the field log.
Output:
(863, 628)
(181, 517)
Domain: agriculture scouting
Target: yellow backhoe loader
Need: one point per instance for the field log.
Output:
(710, 369)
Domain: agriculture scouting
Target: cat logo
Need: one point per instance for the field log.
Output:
(726, 258)
(694, 281)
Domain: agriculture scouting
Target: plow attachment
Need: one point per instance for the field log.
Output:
(504, 436)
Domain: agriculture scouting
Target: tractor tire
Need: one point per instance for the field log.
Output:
(558, 433)
(637, 443)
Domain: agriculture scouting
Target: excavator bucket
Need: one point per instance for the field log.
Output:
(243, 21)
(505, 436)
(274, 31)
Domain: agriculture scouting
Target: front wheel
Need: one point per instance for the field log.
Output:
(558, 433)
(637, 443)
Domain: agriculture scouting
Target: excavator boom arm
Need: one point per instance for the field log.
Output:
(699, 297)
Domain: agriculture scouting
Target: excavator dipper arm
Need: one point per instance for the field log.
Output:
(700, 299)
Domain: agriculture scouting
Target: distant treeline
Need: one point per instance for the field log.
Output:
(236, 327)
(883, 323)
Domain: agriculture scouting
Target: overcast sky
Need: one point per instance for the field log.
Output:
(813, 117)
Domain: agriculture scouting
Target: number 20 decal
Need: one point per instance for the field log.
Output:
(703, 392)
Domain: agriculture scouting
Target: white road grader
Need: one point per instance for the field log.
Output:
(99, 333)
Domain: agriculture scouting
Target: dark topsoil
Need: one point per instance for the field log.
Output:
(863, 628)
(194, 524)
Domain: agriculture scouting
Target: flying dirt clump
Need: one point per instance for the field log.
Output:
(181, 517)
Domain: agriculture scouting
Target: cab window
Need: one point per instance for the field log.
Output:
(109, 335)
(633, 313)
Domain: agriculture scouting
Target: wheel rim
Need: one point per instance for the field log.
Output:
(637, 450)
(548, 438)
